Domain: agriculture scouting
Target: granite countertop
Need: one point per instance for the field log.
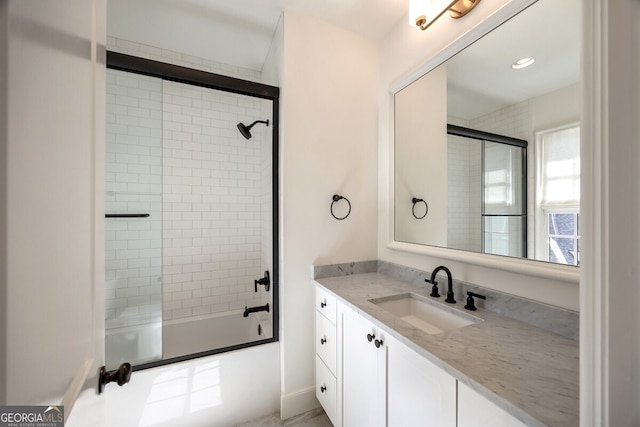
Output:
(529, 372)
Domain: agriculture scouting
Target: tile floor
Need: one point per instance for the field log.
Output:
(315, 418)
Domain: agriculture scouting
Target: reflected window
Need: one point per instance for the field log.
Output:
(558, 189)
(564, 237)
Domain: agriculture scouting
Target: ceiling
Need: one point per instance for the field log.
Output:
(239, 32)
(480, 80)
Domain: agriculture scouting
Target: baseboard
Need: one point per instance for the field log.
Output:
(76, 386)
(297, 403)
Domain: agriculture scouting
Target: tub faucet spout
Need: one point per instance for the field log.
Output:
(249, 310)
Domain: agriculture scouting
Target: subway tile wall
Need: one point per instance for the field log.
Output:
(464, 205)
(174, 151)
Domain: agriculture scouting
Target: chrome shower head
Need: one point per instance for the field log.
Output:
(246, 130)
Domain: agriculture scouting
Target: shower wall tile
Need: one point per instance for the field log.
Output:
(463, 178)
(212, 234)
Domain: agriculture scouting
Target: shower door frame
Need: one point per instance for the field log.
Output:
(175, 73)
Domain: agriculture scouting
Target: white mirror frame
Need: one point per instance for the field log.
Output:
(517, 265)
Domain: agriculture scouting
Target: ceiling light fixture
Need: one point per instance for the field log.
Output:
(523, 63)
(423, 13)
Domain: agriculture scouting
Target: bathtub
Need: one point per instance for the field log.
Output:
(194, 335)
(151, 342)
(134, 344)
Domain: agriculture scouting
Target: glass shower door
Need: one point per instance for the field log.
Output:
(218, 228)
(133, 223)
(190, 224)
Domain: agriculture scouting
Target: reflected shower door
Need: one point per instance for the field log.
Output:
(486, 193)
(504, 200)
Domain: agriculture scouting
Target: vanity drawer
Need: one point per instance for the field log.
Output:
(326, 304)
(326, 390)
(326, 341)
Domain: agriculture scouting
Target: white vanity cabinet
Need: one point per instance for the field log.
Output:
(385, 383)
(327, 384)
(363, 370)
(366, 377)
(475, 410)
(419, 393)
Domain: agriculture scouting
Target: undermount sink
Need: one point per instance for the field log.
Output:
(425, 315)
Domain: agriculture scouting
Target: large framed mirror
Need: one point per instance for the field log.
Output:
(487, 146)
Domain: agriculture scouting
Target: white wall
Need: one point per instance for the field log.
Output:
(557, 108)
(404, 55)
(4, 103)
(272, 68)
(329, 146)
(610, 330)
(53, 143)
(161, 53)
(513, 121)
(164, 24)
(421, 162)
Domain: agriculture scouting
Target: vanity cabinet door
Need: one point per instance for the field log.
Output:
(475, 410)
(328, 389)
(364, 371)
(326, 304)
(419, 393)
(326, 347)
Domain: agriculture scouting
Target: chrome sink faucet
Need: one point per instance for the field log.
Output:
(434, 290)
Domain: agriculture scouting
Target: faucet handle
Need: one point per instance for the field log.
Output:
(434, 288)
(471, 305)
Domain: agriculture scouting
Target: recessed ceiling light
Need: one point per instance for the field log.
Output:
(522, 63)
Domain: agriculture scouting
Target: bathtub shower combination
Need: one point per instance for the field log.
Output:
(190, 213)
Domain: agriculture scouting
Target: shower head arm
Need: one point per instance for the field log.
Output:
(258, 121)
(246, 130)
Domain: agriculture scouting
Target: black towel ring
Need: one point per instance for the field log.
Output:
(337, 198)
(415, 201)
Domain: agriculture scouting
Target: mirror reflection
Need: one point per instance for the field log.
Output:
(487, 145)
